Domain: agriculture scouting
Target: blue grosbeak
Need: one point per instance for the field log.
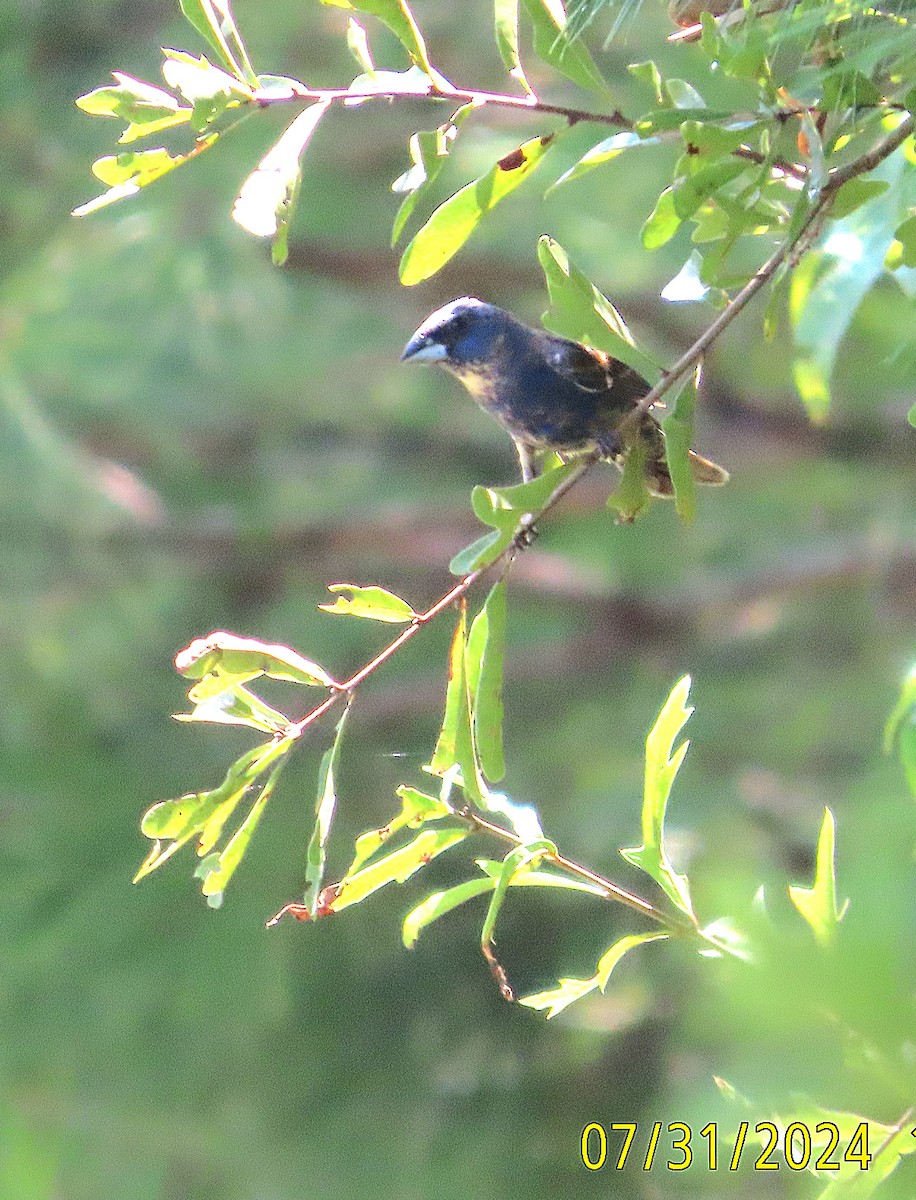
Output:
(549, 393)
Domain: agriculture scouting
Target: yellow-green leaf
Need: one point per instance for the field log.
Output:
(455, 220)
(374, 603)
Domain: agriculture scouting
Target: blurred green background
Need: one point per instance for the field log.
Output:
(194, 440)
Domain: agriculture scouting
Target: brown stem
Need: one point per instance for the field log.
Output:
(527, 103)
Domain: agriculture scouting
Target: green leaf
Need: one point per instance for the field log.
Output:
(416, 809)
(829, 284)
(514, 864)
(649, 73)
(504, 508)
(683, 94)
(429, 150)
(818, 904)
(400, 20)
(222, 660)
(905, 235)
(455, 220)
(438, 904)
(374, 603)
(358, 41)
(222, 867)
(205, 813)
(854, 194)
(482, 551)
(505, 20)
(678, 429)
(325, 805)
(554, 46)
(709, 138)
(238, 706)
(632, 496)
(412, 82)
(484, 664)
(848, 89)
(570, 990)
(911, 416)
(396, 867)
(662, 765)
(266, 203)
(604, 152)
(666, 120)
(580, 312)
(455, 744)
(127, 173)
(213, 20)
(146, 109)
(902, 721)
(210, 90)
(690, 192)
(662, 223)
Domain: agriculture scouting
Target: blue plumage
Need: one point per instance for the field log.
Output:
(549, 393)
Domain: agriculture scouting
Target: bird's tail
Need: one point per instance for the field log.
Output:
(658, 477)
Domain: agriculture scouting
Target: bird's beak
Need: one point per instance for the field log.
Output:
(422, 348)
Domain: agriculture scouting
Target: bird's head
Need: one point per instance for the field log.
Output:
(462, 336)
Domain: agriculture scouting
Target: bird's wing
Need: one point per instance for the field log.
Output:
(591, 370)
(595, 371)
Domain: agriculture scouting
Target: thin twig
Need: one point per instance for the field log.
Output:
(523, 537)
(527, 103)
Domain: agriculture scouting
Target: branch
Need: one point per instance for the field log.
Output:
(790, 251)
(522, 539)
(527, 103)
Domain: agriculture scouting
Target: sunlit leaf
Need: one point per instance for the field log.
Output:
(222, 660)
(505, 21)
(662, 765)
(213, 20)
(555, 47)
(396, 14)
(455, 220)
(818, 904)
(127, 173)
(267, 201)
(901, 724)
(395, 867)
(440, 903)
(210, 90)
(223, 868)
(485, 651)
(570, 990)
(416, 809)
(325, 805)
(374, 603)
(412, 82)
(580, 312)
(429, 150)
(175, 822)
(358, 41)
(146, 109)
(455, 744)
(238, 706)
(604, 152)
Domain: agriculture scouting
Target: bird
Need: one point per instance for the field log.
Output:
(550, 393)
